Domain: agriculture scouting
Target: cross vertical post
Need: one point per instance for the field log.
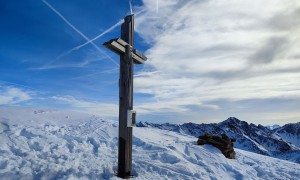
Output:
(125, 100)
(128, 57)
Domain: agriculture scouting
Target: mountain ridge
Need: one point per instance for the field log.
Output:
(281, 142)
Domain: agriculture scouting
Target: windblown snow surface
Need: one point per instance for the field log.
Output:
(55, 144)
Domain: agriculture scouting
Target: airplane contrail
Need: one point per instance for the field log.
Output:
(130, 6)
(95, 38)
(105, 32)
(79, 32)
(88, 41)
(16, 84)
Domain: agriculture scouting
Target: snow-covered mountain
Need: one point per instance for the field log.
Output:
(55, 144)
(282, 142)
(273, 126)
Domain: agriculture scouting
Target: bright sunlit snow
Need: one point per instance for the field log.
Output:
(46, 144)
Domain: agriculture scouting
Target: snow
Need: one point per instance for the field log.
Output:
(57, 144)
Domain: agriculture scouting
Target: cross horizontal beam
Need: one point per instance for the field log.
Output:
(119, 46)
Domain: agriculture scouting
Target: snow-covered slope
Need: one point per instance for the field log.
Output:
(52, 144)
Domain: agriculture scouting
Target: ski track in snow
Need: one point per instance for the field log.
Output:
(52, 144)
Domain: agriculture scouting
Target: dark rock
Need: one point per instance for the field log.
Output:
(223, 143)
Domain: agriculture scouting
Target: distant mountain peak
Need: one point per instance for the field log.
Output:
(292, 128)
(233, 120)
(275, 126)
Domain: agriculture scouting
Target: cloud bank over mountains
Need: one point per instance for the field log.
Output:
(205, 52)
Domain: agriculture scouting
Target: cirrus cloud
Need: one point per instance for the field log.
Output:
(13, 95)
(205, 51)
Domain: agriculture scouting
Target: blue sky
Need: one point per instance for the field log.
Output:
(208, 60)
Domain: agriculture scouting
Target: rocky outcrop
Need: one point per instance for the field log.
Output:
(223, 143)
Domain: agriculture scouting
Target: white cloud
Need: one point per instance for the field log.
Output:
(203, 51)
(12, 95)
(102, 109)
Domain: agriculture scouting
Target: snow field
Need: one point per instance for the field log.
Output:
(49, 144)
